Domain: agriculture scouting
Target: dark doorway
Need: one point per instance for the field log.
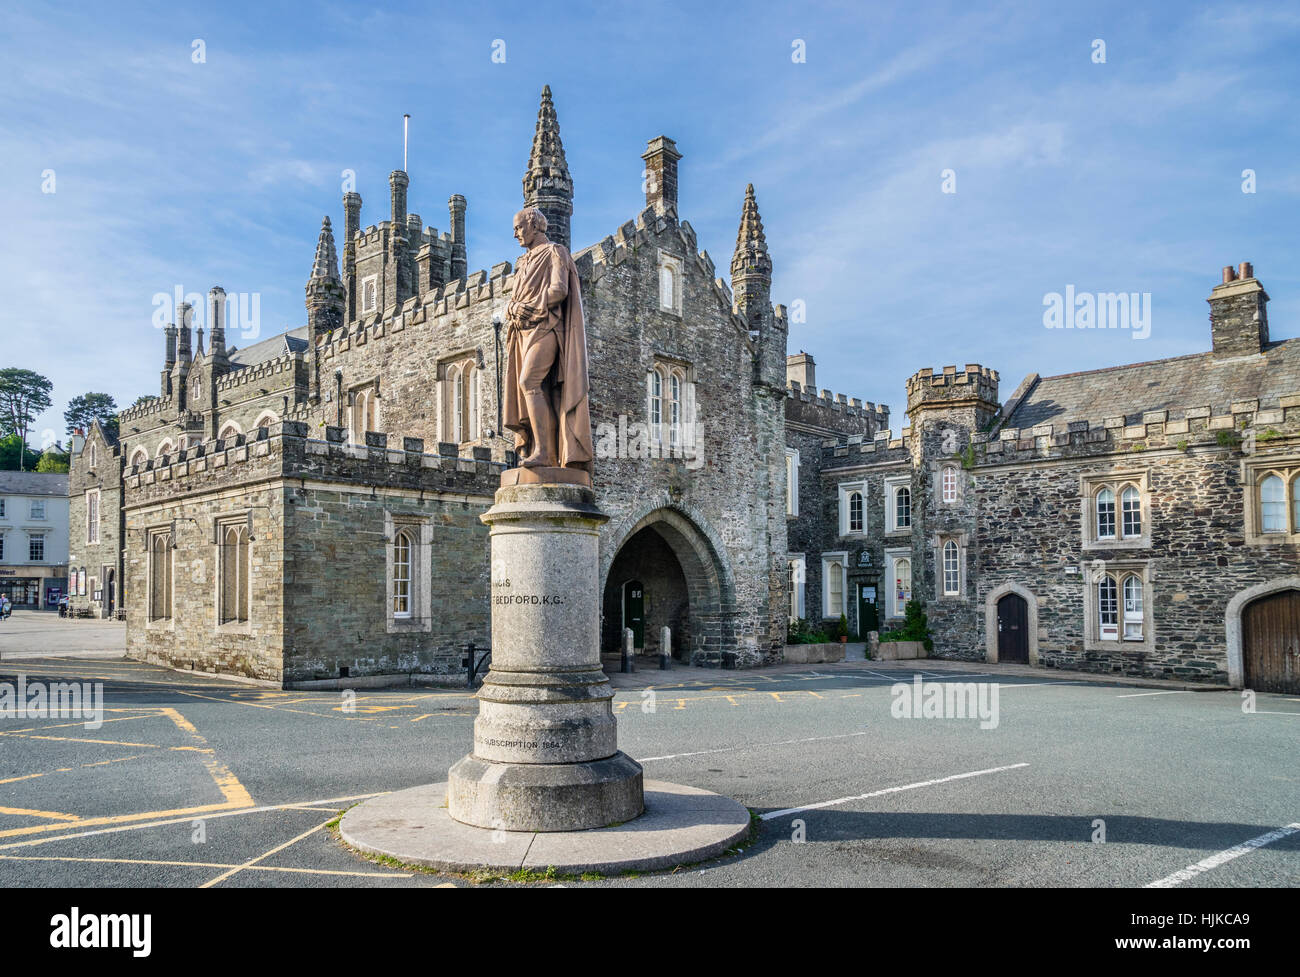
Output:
(1013, 629)
(1270, 643)
(646, 591)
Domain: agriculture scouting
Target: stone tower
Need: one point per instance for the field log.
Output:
(751, 289)
(326, 300)
(547, 184)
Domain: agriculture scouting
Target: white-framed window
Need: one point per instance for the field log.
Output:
(792, 482)
(1131, 590)
(856, 518)
(1271, 487)
(36, 547)
(898, 504)
(852, 508)
(37, 509)
(403, 550)
(675, 408)
(1107, 608)
(899, 582)
(2, 545)
(1117, 607)
(92, 515)
(234, 565)
(1272, 504)
(160, 575)
(834, 583)
(655, 402)
(948, 484)
(2, 509)
(951, 568)
(903, 507)
(370, 293)
(1116, 511)
(798, 585)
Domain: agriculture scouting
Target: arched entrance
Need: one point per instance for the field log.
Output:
(670, 570)
(1011, 624)
(1268, 626)
(1270, 642)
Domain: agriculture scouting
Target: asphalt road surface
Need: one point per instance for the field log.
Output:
(196, 781)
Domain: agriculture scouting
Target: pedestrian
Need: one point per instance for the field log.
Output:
(6, 607)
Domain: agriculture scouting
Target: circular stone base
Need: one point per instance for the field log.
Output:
(545, 796)
(680, 825)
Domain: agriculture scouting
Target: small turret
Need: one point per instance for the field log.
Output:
(751, 287)
(661, 158)
(459, 263)
(547, 184)
(183, 357)
(399, 283)
(169, 359)
(326, 301)
(220, 362)
(351, 225)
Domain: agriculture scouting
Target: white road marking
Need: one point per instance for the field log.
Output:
(205, 817)
(888, 790)
(1139, 695)
(1269, 712)
(1227, 855)
(748, 746)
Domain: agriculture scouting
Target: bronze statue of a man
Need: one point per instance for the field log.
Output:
(545, 396)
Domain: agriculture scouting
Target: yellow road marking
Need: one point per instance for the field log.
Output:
(233, 792)
(83, 739)
(253, 861)
(252, 868)
(26, 813)
(120, 719)
(97, 763)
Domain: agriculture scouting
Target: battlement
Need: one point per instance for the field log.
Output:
(951, 386)
(159, 405)
(1151, 430)
(882, 447)
(258, 371)
(840, 403)
(286, 451)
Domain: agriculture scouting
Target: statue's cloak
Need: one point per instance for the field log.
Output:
(548, 292)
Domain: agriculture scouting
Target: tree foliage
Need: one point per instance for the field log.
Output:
(90, 407)
(24, 396)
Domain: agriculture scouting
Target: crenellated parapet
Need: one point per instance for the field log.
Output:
(841, 404)
(151, 410)
(1245, 427)
(857, 449)
(260, 372)
(973, 386)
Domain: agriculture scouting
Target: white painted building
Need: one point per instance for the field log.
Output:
(33, 538)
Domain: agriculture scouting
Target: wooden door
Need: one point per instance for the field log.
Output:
(634, 612)
(1270, 643)
(1013, 629)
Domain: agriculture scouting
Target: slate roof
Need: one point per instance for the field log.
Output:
(34, 483)
(269, 349)
(1175, 384)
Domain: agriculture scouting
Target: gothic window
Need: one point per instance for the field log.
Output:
(234, 564)
(160, 576)
(229, 433)
(363, 415)
(93, 455)
(1130, 512)
(1106, 514)
(667, 288)
(901, 591)
(165, 448)
(1133, 616)
(1272, 505)
(951, 568)
(369, 293)
(139, 456)
(948, 484)
(791, 482)
(675, 408)
(266, 420)
(834, 588)
(402, 549)
(196, 390)
(855, 512)
(1295, 504)
(472, 412)
(655, 383)
(92, 516)
(902, 507)
(798, 576)
(1107, 608)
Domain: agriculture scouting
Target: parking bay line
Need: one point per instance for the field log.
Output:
(1139, 695)
(888, 790)
(1227, 855)
(253, 861)
(749, 746)
(178, 864)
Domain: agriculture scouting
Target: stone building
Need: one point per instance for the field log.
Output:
(1140, 519)
(307, 508)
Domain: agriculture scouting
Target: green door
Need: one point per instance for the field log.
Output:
(634, 611)
(868, 620)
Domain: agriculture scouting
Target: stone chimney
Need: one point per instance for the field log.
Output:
(801, 369)
(661, 158)
(1238, 313)
(459, 262)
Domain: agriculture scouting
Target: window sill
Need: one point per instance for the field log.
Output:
(1134, 543)
(241, 628)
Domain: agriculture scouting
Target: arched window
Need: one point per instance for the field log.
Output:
(902, 590)
(902, 507)
(229, 433)
(951, 568)
(165, 448)
(139, 456)
(1130, 501)
(196, 389)
(835, 590)
(667, 288)
(402, 574)
(855, 512)
(1272, 505)
(92, 455)
(675, 408)
(655, 411)
(1107, 608)
(472, 433)
(266, 420)
(160, 577)
(1295, 504)
(457, 405)
(1132, 607)
(948, 484)
(1106, 514)
(234, 575)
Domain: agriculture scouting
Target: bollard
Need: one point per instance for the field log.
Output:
(628, 651)
(665, 649)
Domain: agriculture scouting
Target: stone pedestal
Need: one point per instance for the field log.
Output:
(545, 745)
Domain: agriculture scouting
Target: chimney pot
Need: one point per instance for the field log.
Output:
(1244, 270)
(1228, 274)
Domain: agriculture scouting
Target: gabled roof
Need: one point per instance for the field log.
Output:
(293, 341)
(1175, 385)
(34, 483)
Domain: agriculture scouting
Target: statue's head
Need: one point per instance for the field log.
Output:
(530, 227)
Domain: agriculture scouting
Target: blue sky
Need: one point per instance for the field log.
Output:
(1116, 176)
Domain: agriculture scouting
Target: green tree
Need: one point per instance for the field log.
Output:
(9, 451)
(89, 407)
(144, 399)
(24, 396)
(52, 461)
